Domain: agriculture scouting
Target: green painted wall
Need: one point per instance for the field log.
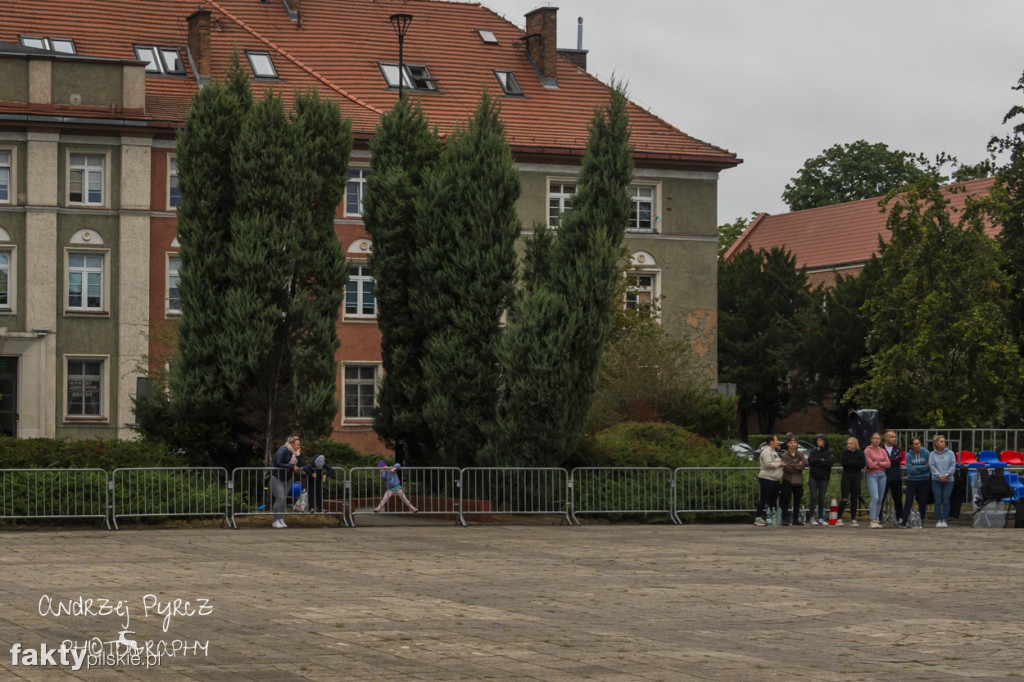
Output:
(13, 80)
(99, 85)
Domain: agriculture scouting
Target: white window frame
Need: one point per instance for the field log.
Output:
(104, 171)
(636, 200)
(160, 59)
(50, 44)
(632, 297)
(362, 277)
(487, 36)
(104, 388)
(11, 251)
(172, 182)
(414, 76)
(376, 367)
(359, 183)
(563, 198)
(169, 310)
(104, 307)
(258, 66)
(11, 166)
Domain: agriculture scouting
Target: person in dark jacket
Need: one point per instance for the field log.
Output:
(919, 480)
(852, 459)
(793, 464)
(316, 472)
(819, 461)
(287, 460)
(894, 475)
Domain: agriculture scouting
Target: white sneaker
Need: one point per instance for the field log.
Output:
(276, 523)
(853, 523)
(814, 522)
(839, 522)
(945, 525)
(938, 524)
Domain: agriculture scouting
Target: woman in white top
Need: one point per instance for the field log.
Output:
(768, 478)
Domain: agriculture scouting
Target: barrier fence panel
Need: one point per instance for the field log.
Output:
(974, 440)
(429, 490)
(252, 494)
(702, 490)
(170, 491)
(623, 490)
(54, 494)
(496, 490)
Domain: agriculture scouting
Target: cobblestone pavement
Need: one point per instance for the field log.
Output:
(536, 602)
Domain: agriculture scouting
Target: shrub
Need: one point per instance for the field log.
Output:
(49, 453)
(338, 454)
(634, 444)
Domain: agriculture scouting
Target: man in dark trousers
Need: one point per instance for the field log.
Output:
(894, 475)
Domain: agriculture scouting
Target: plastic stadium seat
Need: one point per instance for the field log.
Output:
(969, 459)
(1011, 457)
(1017, 485)
(903, 461)
(990, 458)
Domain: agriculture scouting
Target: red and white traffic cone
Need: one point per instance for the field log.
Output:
(833, 512)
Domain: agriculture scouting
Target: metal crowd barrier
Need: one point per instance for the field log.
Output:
(716, 489)
(54, 494)
(170, 491)
(497, 490)
(430, 490)
(623, 490)
(252, 495)
(973, 440)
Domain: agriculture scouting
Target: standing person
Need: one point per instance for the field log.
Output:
(819, 461)
(793, 464)
(919, 480)
(316, 472)
(942, 463)
(894, 475)
(768, 478)
(853, 463)
(877, 460)
(394, 486)
(286, 461)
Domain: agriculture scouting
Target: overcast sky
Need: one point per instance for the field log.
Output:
(779, 81)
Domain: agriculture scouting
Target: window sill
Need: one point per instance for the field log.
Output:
(72, 312)
(85, 420)
(359, 318)
(75, 204)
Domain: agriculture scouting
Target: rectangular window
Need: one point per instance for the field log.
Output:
(414, 76)
(5, 280)
(360, 388)
(262, 65)
(6, 172)
(85, 179)
(173, 193)
(85, 388)
(355, 190)
(63, 45)
(508, 82)
(641, 217)
(173, 297)
(160, 59)
(559, 201)
(85, 281)
(640, 292)
(359, 299)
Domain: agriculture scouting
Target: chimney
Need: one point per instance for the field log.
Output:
(199, 44)
(542, 45)
(293, 7)
(579, 55)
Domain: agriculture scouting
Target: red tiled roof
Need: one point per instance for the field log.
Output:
(336, 47)
(842, 233)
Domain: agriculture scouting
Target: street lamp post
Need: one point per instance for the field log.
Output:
(401, 22)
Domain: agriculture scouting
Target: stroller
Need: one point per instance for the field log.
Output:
(994, 489)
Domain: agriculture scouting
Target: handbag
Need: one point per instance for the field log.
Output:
(302, 503)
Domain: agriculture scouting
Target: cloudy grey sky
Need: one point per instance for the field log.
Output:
(779, 81)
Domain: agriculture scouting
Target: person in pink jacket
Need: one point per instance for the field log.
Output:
(877, 460)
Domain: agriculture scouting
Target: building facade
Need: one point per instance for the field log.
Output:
(91, 97)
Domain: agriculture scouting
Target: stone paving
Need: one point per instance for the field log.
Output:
(420, 599)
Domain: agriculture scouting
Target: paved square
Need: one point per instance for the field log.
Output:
(539, 602)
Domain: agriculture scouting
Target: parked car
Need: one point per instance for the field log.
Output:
(741, 449)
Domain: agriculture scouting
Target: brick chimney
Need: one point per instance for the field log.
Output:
(543, 22)
(199, 43)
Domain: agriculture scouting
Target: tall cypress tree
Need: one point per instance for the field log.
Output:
(466, 260)
(553, 347)
(402, 151)
(202, 410)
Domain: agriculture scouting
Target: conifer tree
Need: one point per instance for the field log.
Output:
(401, 152)
(552, 350)
(466, 260)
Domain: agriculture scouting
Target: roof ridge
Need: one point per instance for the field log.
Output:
(256, 34)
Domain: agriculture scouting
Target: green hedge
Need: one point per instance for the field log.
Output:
(836, 441)
(50, 453)
(633, 444)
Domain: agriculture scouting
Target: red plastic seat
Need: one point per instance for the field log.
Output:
(970, 459)
(1011, 457)
(903, 460)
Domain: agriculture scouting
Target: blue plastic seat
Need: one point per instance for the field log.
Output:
(990, 458)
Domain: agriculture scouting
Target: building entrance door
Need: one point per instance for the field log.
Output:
(8, 396)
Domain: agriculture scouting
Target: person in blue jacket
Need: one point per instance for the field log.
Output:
(316, 472)
(919, 481)
(393, 482)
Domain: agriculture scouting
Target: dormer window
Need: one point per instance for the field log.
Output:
(160, 59)
(64, 45)
(487, 36)
(262, 65)
(509, 84)
(415, 77)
